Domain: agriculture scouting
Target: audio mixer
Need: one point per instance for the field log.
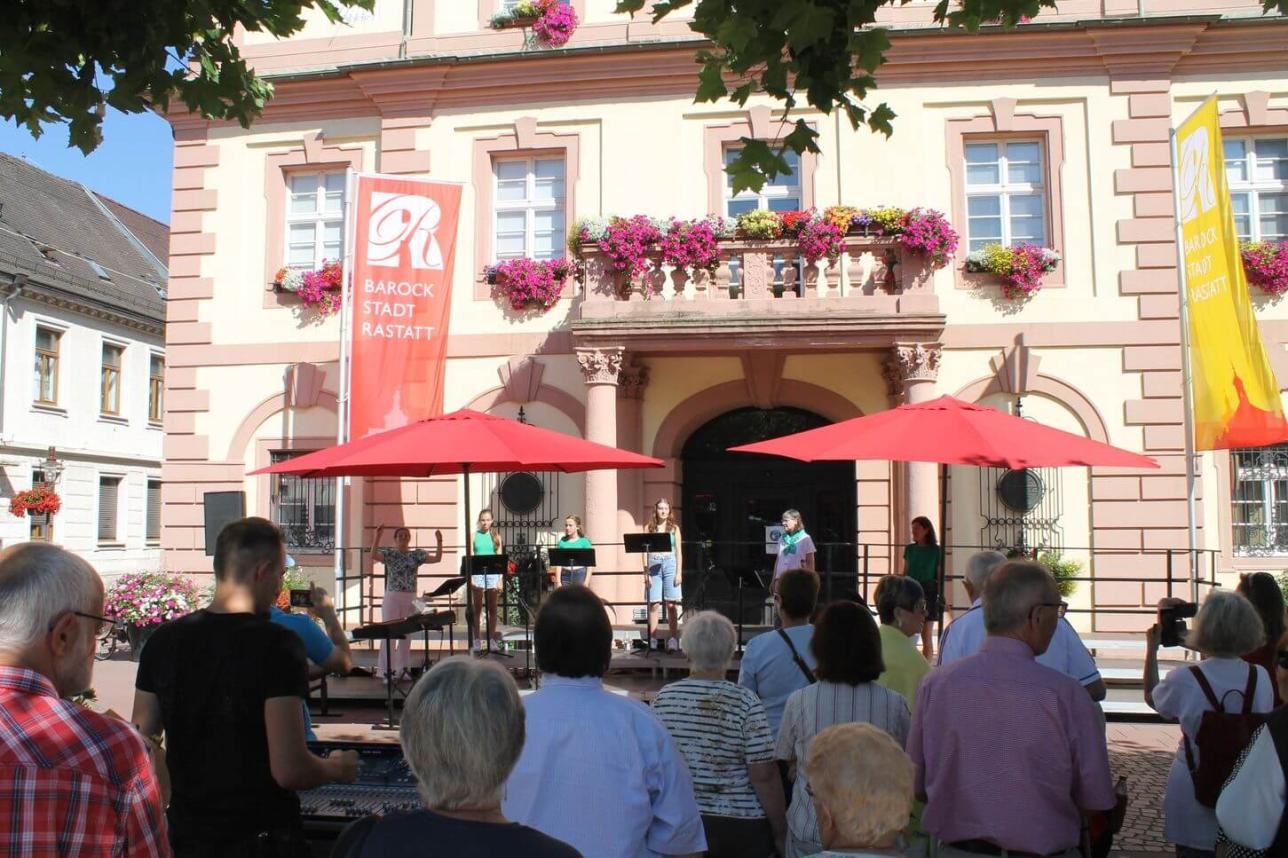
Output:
(385, 784)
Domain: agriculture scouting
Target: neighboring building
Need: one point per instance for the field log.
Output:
(82, 366)
(1055, 133)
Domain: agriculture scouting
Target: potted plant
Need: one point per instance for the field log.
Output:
(928, 233)
(1065, 571)
(1020, 268)
(528, 283)
(760, 225)
(142, 601)
(1266, 265)
(552, 22)
(691, 245)
(320, 290)
(37, 500)
(818, 238)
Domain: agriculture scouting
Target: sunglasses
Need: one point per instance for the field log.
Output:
(102, 630)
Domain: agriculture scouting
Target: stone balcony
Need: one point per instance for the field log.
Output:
(763, 295)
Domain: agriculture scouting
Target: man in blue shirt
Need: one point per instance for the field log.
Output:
(769, 667)
(598, 771)
(327, 652)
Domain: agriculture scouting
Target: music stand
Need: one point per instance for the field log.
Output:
(739, 579)
(572, 556)
(483, 564)
(447, 588)
(647, 543)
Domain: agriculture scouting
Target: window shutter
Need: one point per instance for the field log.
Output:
(154, 511)
(108, 488)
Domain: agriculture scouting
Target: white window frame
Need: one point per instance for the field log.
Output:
(1252, 186)
(319, 218)
(118, 537)
(1005, 189)
(773, 190)
(530, 205)
(148, 538)
(59, 333)
(160, 389)
(120, 412)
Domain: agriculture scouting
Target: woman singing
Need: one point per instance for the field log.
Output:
(662, 577)
(574, 537)
(486, 542)
(795, 547)
(401, 565)
(921, 564)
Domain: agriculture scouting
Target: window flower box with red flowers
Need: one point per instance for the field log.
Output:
(38, 500)
(1265, 263)
(320, 291)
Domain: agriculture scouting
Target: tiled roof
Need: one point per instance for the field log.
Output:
(64, 237)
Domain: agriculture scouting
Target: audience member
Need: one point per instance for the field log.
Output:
(1226, 628)
(1253, 808)
(721, 730)
(777, 663)
(327, 652)
(72, 782)
(1262, 590)
(847, 647)
(462, 731)
(598, 771)
(966, 634)
(901, 605)
(862, 785)
(225, 684)
(1009, 753)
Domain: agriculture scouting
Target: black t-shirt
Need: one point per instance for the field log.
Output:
(212, 673)
(425, 833)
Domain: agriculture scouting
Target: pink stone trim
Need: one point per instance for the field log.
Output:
(266, 409)
(759, 125)
(558, 399)
(705, 405)
(1002, 124)
(1093, 425)
(312, 155)
(525, 142)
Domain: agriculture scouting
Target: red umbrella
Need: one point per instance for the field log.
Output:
(462, 442)
(951, 432)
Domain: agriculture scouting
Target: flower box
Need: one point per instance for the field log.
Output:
(38, 500)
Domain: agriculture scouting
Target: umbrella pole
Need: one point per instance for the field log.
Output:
(943, 543)
(470, 619)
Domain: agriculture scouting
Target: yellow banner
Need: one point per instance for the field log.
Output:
(1235, 395)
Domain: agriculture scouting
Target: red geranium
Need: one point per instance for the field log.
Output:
(35, 501)
(793, 221)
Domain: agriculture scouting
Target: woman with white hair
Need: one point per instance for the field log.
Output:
(862, 784)
(462, 730)
(1226, 628)
(721, 729)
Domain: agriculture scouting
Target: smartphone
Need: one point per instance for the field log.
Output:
(301, 598)
(1171, 622)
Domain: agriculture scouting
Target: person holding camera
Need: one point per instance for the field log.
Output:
(1225, 628)
(327, 652)
(401, 564)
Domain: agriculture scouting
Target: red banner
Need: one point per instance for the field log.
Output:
(404, 242)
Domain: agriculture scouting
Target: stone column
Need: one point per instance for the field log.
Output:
(601, 368)
(630, 436)
(911, 370)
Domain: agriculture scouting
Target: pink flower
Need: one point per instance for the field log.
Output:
(1265, 263)
(529, 282)
(818, 238)
(691, 244)
(556, 25)
(627, 242)
(928, 233)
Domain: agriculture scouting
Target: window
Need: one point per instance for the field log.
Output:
(156, 389)
(47, 343)
(153, 532)
(1005, 193)
(109, 401)
(303, 508)
(1257, 172)
(38, 524)
(314, 218)
(108, 494)
(1259, 500)
(529, 199)
(781, 194)
(99, 270)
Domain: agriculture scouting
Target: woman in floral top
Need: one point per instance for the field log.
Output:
(401, 565)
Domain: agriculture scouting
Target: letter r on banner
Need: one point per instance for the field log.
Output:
(401, 221)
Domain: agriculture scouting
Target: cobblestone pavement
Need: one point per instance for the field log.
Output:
(1143, 753)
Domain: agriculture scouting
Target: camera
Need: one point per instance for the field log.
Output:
(1171, 621)
(301, 598)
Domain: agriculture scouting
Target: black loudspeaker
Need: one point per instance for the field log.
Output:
(221, 508)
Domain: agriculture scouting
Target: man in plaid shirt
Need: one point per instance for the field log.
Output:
(72, 782)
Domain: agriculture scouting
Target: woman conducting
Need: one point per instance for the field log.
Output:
(401, 568)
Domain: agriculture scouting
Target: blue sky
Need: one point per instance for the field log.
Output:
(131, 165)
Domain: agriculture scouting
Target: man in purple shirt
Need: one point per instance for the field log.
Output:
(1009, 753)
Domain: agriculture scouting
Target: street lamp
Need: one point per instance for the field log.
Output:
(52, 468)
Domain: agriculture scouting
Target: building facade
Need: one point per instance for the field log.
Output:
(82, 367)
(1055, 133)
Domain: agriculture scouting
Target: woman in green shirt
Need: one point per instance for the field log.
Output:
(574, 537)
(487, 541)
(921, 564)
(901, 605)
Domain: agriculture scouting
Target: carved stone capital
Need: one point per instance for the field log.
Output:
(633, 380)
(600, 366)
(911, 362)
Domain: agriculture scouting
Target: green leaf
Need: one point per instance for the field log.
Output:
(711, 85)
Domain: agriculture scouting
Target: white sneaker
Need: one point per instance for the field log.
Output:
(672, 645)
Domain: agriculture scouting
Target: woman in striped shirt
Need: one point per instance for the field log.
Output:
(721, 729)
(847, 646)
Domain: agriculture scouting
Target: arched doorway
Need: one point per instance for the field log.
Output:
(730, 498)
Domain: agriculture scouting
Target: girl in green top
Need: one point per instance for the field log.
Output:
(487, 541)
(574, 537)
(921, 563)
